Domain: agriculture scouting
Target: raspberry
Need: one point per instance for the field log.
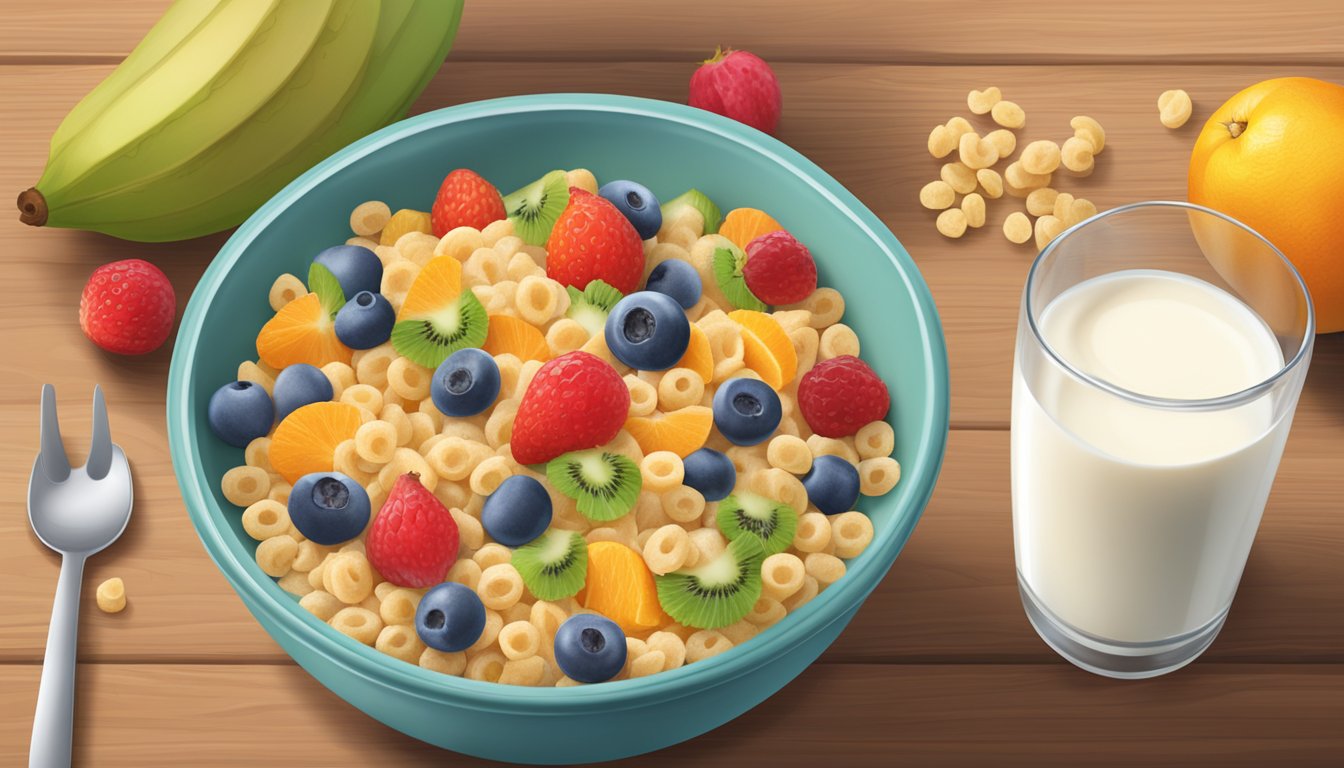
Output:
(465, 200)
(127, 307)
(779, 269)
(592, 240)
(840, 395)
(413, 540)
(574, 402)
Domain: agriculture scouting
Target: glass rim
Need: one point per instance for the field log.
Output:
(1204, 404)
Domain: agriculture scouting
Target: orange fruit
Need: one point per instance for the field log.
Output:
(301, 332)
(620, 586)
(306, 440)
(766, 348)
(742, 225)
(403, 221)
(1271, 158)
(699, 357)
(682, 431)
(511, 335)
(439, 283)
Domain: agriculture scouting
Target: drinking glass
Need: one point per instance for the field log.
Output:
(1129, 546)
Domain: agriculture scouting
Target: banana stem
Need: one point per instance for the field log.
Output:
(32, 207)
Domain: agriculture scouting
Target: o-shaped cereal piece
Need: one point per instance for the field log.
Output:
(111, 596)
(536, 300)
(959, 126)
(485, 266)
(952, 223)
(493, 623)
(1040, 157)
(487, 667)
(1076, 154)
(321, 604)
(874, 439)
(360, 623)
(373, 364)
(465, 572)
(941, 141)
(265, 518)
(1085, 127)
(959, 176)
(369, 218)
(789, 453)
(767, 611)
(460, 243)
(308, 556)
(519, 640)
(245, 485)
(566, 335)
(1017, 227)
(679, 388)
(827, 306)
(398, 606)
(528, 672)
(340, 375)
(408, 380)
(826, 569)
(522, 265)
(398, 276)
(443, 663)
(683, 503)
(782, 575)
(981, 102)
(670, 645)
(706, 643)
(647, 663)
(990, 182)
(830, 446)
(348, 577)
(500, 586)
(488, 475)
(496, 231)
(275, 555)
(376, 441)
(1174, 108)
(937, 195)
(1042, 201)
(662, 471)
(1008, 114)
(976, 153)
(813, 532)
(1021, 178)
(417, 247)
(1063, 202)
(400, 642)
(1080, 210)
(852, 532)
(492, 554)
(973, 205)
(878, 475)
(364, 396)
(1004, 140)
(285, 289)
(667, 549)
(1048, 228)
(499, 427)
(407, 460)
(837, 340)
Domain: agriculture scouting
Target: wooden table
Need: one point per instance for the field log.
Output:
(940, 667)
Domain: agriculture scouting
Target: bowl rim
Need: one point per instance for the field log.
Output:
(842, 598)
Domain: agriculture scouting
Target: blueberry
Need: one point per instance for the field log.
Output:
(356, 268)
(589, 648)
(328, 507)
(298, 385)
(365, 321)
(450, 618)
(677, 279)
(711, 473)
(466, 383)
(746, 411)
(517, 512)
(240, 412)
(832, 484)
(648, 331)
(636, 203)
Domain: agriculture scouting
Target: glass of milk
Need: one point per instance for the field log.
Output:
(1161, 349)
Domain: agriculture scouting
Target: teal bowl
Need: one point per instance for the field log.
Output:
(512, 141)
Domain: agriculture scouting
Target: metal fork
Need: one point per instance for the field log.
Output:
(76, 512)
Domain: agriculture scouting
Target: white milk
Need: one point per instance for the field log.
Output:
(1133, 523)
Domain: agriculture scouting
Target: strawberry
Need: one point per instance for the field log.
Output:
(574, 402)
(413, 540)
(779, 269)
(465, 200)
(739, 85)
(840, 395)
(127, 307)
(592, 240)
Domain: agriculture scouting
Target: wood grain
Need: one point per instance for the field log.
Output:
(926, 715)
(903, 32)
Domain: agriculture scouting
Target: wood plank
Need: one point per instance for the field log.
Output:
(906, 32)
(950, 597)
(861, 715)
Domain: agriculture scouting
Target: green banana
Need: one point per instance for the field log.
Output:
(226, 101)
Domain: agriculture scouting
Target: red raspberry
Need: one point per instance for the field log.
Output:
(575, 401)
(465, 200)
(592, 240)
(413, 540)
(739, 85)
(840, 395)
(779, 269)
(128, 307)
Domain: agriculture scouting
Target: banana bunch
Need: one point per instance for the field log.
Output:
(225, 102)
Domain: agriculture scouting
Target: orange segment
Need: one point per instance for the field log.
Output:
(306, 440)
(767, 349)
(301, 332)
(699, 357)
(620, 586)
(742, 225)
(437, 286)
(682, 431)
(511, 335)
(403, 221)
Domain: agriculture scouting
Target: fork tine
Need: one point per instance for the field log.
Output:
(54, 463)
(100, 449)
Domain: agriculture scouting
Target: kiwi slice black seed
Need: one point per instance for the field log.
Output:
(717, 593)
(605, 485)
(328, 289)
(535, 208)
(694, 198)
(769, 523)
(429, 339)
(591, 306)
(727, 268)
(554, 565)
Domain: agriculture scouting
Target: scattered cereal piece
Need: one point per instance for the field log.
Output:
(1081, 210)
(111, 596)
(937, 195)
(991, 182)
(1042, 201)
(1017, 227)
(973, 205)
(1048, 228)
(1085, 127)
(1008, 114)
(1076, 155)
(1004, 140)
(959, 125)
(1174, 108)
(959, 177)
(1021, 178)
(952, 222)
(1063, 202)
(1040, 157)
(941, 141)
(980, 102)
(975, 152)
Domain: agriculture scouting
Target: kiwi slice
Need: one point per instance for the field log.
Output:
(328, 289)
(694, 198)
(717, 593)
(605, 485)
(430, 338)
(769, 523)
(727, 268)
(535, 208)
(591, 306)
(554, 565)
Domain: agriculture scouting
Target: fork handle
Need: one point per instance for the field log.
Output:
(54, 719)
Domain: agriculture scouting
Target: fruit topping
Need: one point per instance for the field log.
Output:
(710, 472)
(365, 321)
(727, 267)
(554, 565)
(716, 593)
(437, 317)
(414, 538)
(694, 198)
(305, 442)
(355, 268)
(450, 617)
(604, 485)
(699, 356)
(299, 385)
(677, 279)
(832, 484)
(648, 331)
(466, 383)
(591, 306)
(742, 225)
(464, 200)
(779, 269)
(590, 649)
(620, 586)
(739, 85)
(682, 431)
(636, 203)
(592, 241)
(127, 307)
(840, 395)
(535, 208)
(746, 411)
(403, 222)
(766, 348)
(517, 512)
(240, 412)
(574, 402)
(329, 508)
(509, 335)
(301, 332)
(769, 523)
